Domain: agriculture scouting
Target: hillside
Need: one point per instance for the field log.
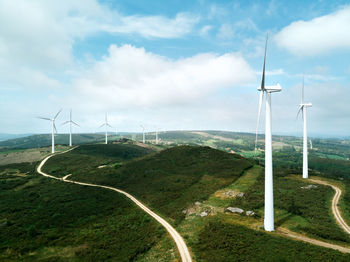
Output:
(46, 220)
(179, 183)
(4, 136)
(43, 140)
(167, 181)
(52, 221)
(183, 182)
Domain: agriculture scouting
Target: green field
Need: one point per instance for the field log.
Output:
(54, 221)
(48, 220)
(167, 181)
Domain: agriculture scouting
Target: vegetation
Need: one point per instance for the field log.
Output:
(220, 241)
(27, 155)
(170, 182)
(44, 140)
(47, 220)
(294, 202)
(167, 181)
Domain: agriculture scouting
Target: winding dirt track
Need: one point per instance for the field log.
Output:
(337, 215)
(335, 201)
(287, 233)
(180, 243)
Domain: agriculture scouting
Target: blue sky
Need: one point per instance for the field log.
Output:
(173, 64)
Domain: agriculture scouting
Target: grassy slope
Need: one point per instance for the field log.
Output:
(306, 210)
(27, 155)
(220, 241)
(168, 181)
(53, 221)
(198, 172)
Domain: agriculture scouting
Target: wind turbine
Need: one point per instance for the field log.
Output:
(302, 107)
(53, 130)
(156, 136)
(268, 90)
(143, 133)
(70, 127)
(106, 124)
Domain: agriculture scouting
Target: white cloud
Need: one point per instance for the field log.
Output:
(205, 30)
(154, 26)
(317, 36)
(226, 32)
(131, 77)
(42, 33)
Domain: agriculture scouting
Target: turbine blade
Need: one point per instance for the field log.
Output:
(102, 125)
(54, 126)
(109, 125)
(57, 113)
(258, 121)
(263, 74)
(65, 123)
(45, 118)
(75, 123)
(301, 108)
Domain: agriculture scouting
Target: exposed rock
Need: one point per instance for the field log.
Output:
(230, 193)
(234, 210)
(204, 214)
(309, 187)
(184, 211)
(197, 203)
(240, 195)
(250, 213)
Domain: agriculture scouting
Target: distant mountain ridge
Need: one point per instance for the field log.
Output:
(42, 140)
(5, 136)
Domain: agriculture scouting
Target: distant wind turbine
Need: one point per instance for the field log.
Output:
(70, 127)
(143, 134)
(156, 136)
(106, 124)
(156, 133)
(53, 130)
(269, 210)
(302, 107)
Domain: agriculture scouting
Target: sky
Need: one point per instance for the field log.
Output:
(173, 65)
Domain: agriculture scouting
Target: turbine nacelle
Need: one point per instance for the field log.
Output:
(271, 89)
(305, 105)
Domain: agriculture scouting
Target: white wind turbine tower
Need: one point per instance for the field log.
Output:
(156, 133)
(303, 107)
(106, 124)
(143, 134)
(156, 136)
(70, 127)
(269, 210)
(53, 130)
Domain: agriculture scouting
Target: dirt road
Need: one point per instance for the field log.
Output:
(337, 215)
(180, 243)
(290, 234)
(335, 201)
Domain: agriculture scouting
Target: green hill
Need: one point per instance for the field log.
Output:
(179, 183)
(173, 180)
(167, 181)
(46, 220)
